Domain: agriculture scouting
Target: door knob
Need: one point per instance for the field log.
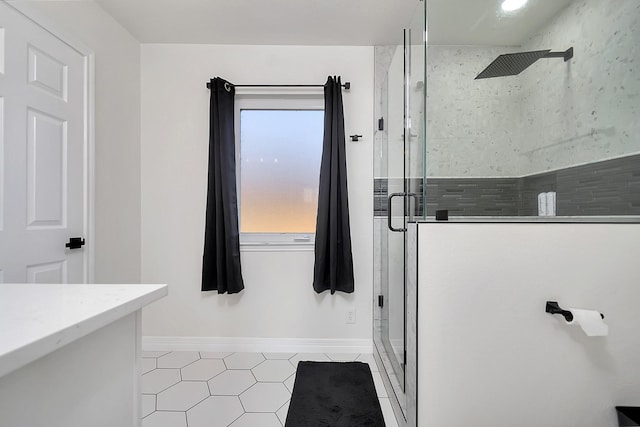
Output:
(75, 243)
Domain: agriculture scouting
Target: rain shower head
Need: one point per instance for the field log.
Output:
(511, 64)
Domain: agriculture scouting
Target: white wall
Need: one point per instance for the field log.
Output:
(488, 353)
(117, 134)
(278, 300)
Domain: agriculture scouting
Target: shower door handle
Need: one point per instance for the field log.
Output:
(389, 210)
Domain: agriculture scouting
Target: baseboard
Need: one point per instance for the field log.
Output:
(261, 345)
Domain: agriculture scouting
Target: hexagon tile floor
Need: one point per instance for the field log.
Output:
(198, 389)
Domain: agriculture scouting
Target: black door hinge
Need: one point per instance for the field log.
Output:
(381, 123)
(380, 300)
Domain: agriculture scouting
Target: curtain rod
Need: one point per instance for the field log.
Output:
(346, 85)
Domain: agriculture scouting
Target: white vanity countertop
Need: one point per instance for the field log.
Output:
(36, 320)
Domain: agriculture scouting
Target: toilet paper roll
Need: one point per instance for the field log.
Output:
(542, 204)
(590, 321)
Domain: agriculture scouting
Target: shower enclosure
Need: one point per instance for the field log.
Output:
(399, 185)
(530, 119)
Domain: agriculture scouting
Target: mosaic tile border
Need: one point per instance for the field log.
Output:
(608, 188)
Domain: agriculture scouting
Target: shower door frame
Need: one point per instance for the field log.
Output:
(399, 366)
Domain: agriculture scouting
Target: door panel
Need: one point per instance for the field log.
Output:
(46, 171)
(1, 50)
(43, 142)
(47, 73)
(53, 272)
(2, 168)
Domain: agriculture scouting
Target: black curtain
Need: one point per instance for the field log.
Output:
(333, 268)
(221, 260)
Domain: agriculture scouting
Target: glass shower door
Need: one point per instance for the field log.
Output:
(402, 168)
(393, 303)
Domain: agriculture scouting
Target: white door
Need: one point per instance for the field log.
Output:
(43, 154)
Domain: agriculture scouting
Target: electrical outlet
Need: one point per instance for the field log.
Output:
(351, 316)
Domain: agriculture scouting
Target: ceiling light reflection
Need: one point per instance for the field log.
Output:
(511, 5)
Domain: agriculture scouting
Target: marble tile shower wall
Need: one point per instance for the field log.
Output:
(588, 109)
(470, 123)
(554, 114)
(494, 144)
(605, 188)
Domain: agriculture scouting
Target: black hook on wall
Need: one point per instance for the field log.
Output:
(355, 137)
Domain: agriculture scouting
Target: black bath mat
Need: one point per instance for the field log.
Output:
(334, 394)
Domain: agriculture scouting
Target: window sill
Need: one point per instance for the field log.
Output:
(277, 246)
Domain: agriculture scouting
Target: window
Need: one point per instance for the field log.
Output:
(279, 142)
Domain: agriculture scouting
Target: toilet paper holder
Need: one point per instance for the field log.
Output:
(553, 308)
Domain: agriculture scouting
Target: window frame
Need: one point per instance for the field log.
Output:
(271, 101)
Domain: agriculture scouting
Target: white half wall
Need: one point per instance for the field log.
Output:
(278, 300)
(117, 133)
(489, 355)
